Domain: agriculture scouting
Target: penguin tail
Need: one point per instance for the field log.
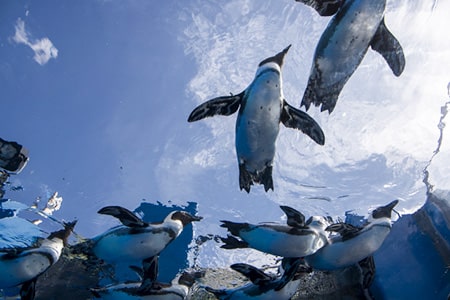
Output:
(230, 242)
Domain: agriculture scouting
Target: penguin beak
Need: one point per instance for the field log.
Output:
(184, 217)
(384, 211)
(278, 58)
(196, 218)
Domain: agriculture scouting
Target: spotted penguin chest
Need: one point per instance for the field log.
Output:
(257, 126)
(347, 38)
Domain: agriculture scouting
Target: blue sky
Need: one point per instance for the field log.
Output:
(105, 117)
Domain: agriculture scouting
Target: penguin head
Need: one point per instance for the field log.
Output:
(63, 234)
(384, 211)
(382, 214)
(278, 58)
(188, 278)
(184, 217)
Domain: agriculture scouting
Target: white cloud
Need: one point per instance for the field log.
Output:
(43, 48)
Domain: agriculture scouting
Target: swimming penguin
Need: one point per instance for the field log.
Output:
(148, 287)
(357, 25)
(324, 7)
(262, 285)
(353, 244)
(22, 266)
(261, 109)
(296, 239)
(136, 239)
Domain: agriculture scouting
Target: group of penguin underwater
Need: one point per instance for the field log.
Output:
(305, 245)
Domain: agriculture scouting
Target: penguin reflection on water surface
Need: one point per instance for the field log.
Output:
(296, 239)
(357, 25)
(261, 109)
(22, 266)
(264, 286)
(136, 239)
(352, 244)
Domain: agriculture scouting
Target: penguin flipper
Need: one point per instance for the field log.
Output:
(297, 119)
(245, 178)
(233, 227)
(294, 217)
(389, 47)
(255, 275)
(225, 106)
(28, 290)
(230, 242)
(347, 231)
(125, 216)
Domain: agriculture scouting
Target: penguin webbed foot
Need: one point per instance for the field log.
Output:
(266, 178)
(245, 178)
(28, 290)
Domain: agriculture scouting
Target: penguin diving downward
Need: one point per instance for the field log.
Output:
(262, 285)
(296, 239)
(22, 266)
(149, 288)
(136, 239)
(357, 25)
(353, 244)
(261, 109)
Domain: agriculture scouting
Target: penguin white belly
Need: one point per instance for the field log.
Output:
(346, 253)
(346, 40)
(19, 270)
(29, 264)
(283, 244)
(135, 246)
(257, 125)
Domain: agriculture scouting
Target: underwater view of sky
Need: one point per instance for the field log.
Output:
(99, 93)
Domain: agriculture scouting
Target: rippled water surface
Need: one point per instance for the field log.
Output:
(100, 91)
